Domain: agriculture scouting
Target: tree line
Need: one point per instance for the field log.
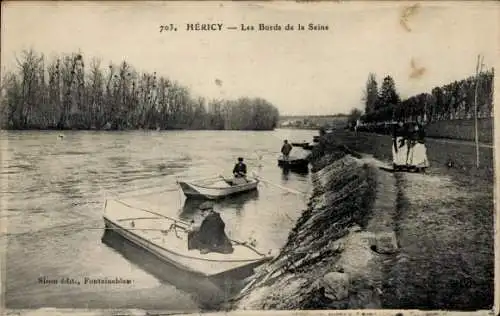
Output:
(65, 93)
(448, 102)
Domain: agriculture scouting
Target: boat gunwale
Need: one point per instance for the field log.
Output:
(138, 218)
(153, 251)
(294, 161)
(252, 182)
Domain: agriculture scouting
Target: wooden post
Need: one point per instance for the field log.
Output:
(478, 71)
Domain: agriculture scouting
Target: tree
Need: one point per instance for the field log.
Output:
(371, 93)
(388, 95)
(64, 94)
(95, 86)
(438, 109)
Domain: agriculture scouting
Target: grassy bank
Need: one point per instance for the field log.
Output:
(444, 226)
(463, 129)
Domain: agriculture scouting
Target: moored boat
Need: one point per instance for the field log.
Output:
(305, 145)
(302, 144)
(310, 146)
(166, 239)
(216, 187)
(293, 162)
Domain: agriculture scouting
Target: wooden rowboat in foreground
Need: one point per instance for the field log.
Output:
(166, 238)
(215, 187)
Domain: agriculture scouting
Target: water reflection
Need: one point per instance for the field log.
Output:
(284, 173)
(301, 170)
(236, 203)
(209, 292)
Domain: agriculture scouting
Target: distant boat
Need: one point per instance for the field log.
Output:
(166, 238)
(306, 145)
(293, 162)
(303, 144)
(215, 187)
(310, 146)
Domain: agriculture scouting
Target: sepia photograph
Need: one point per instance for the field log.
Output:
(189, 157)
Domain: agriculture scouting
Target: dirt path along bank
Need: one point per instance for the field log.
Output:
(446, 259)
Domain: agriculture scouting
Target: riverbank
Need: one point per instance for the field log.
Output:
(373, 239)
(333, 256)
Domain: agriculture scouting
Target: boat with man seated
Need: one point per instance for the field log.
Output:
(167, 239)
(217, 187)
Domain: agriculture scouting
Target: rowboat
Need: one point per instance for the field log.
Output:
(216, 187)
(166, 239)
(293, 162)
(310, 146)
(303, 144)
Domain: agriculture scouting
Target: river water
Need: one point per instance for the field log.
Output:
(53, 190)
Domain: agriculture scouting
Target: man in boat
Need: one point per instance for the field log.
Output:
(239, 172)
(286, 149)
(210, 236)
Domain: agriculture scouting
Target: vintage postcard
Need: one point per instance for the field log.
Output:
(315, 158)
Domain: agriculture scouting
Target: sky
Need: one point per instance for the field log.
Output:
(300, 72)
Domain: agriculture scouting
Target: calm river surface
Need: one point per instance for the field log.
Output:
(53, 190)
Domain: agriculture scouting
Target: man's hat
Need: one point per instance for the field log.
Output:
(205, 206)
(240, 159)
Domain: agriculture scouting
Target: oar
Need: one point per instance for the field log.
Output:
(280, 186)
(155, 213)
(111, 228)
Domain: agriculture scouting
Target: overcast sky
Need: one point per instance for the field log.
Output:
(301, 72)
